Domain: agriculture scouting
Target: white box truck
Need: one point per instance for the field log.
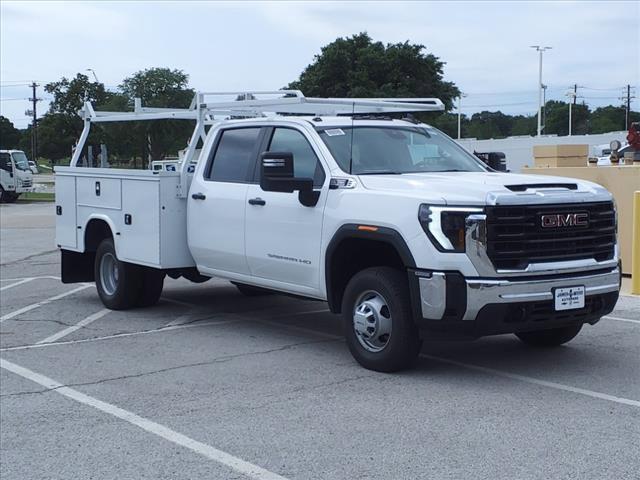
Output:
(403, 232)
(16, 176)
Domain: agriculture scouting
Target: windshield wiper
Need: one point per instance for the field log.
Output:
(379, 172)
(450, 170)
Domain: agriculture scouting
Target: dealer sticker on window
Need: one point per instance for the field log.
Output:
(334, 132)
(569, 298)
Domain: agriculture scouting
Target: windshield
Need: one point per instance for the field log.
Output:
(20, 159)
(379, 150)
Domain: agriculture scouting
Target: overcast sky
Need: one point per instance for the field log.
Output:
(265, 45)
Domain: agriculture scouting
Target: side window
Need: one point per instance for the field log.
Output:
(5, 162)
(305, 161)
(234, 155)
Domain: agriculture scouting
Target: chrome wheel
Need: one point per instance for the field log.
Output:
(372, 321)
(109, 273)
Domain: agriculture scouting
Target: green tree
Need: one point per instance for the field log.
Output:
(485, 125)
(607, 119)
(60, 128)
(9, 135)
(558, 118)
(448, 123)
(523, 125)
(161, 87)
(359, 67)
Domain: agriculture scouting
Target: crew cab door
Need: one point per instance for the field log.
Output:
(217, 203)
(283, 237)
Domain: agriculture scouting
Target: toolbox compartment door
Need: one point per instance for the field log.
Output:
(65, 206)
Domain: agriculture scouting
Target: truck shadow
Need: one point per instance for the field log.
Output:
(310, 319)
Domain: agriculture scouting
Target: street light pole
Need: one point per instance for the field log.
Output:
(572, 98)
(460, 114)
(94, 74)
(540, 50)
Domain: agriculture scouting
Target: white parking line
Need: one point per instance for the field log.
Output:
(535, 381)
(21, 282)
(52, 277)
(116, 335)
(77, 326)
(41, 303)
(212, 453)
(620, 319)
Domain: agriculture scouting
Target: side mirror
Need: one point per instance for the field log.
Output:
(276, 175)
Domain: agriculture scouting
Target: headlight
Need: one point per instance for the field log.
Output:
(445, 226)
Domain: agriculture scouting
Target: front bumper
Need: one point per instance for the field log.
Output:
(448, 302)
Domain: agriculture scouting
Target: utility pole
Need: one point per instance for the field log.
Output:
(544, 107)
(541, 51)
(460, 114)
(575, 93)
(627, 106)
(34, 130)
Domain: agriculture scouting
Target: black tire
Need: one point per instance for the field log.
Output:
(403, 344)
(123, 292)
(11, 197)
(3, 195)
(549, 338)
(251, 291)
(151, 284)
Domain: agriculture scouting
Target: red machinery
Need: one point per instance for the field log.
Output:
(633, 137)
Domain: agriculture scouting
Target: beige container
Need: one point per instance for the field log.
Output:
(560, 155)
(556, 151)
(554, 162)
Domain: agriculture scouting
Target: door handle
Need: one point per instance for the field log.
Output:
(257, 201)
(198, 196)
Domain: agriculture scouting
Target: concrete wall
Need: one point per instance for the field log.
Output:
(519, 150)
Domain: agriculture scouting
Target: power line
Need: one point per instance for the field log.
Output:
(602, 89)
(501, 105)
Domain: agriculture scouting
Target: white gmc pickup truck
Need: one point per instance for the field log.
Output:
(397, 227)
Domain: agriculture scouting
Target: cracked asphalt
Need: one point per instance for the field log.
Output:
(268, 380)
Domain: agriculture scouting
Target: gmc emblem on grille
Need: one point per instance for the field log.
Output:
(560, 220)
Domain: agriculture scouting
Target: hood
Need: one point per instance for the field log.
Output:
(482, 188)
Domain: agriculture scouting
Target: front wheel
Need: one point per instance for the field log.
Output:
(549, 338)
(380, 330)
(118, 283)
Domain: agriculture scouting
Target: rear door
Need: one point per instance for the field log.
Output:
(217, 201)
(283, 236)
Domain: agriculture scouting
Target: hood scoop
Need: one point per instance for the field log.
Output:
(537, 186)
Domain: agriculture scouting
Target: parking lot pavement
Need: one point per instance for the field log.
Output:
(211, 384)
(26, 230)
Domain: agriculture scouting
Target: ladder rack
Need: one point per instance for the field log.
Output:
(206, 106)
